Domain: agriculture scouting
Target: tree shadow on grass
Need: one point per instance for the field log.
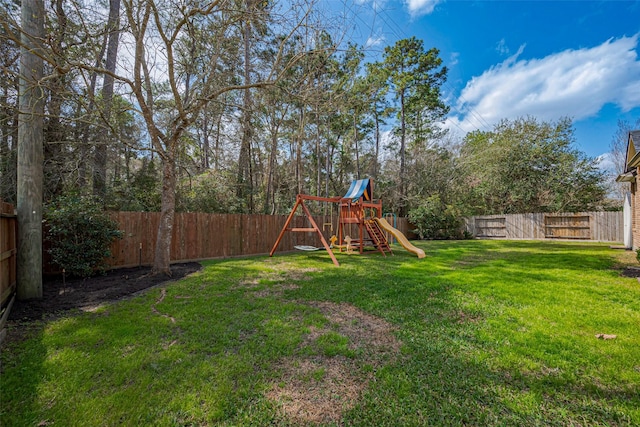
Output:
(434, 386)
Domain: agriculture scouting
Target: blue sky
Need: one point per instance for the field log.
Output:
(509, 59)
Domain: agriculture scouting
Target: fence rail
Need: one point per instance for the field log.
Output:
(598, 226)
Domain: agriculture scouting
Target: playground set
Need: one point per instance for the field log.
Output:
(356, 208)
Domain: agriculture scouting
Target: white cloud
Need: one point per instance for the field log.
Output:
(573, 83)
(374, 41)
(375, 4)
(454, 59)
(606, 163)
(421, 7)
(502, 47)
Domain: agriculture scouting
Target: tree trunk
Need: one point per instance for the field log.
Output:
(216, 152)
(100, 160)
(403, 131)
(269, 202)
(53, 137)
(206, 145)
(8, 128)
(327, 168)
(318, 161)
(299, 152)
(30, 153)
(53, 132)
(377, 155)
(162, 259)
(245, 174)
(355, 143)
(83, 161)
(4, 117)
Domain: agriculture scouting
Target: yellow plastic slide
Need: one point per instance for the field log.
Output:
(400, 237)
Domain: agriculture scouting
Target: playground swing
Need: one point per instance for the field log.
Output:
(307, 248)
(324, 227)
(324, 217)
(357, 207)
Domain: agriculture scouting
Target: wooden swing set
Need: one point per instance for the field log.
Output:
(357, 207)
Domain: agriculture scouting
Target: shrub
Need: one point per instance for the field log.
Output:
(80, 233)
(467, 235)
(435, 220)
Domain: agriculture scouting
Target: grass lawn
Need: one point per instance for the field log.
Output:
(477, 333)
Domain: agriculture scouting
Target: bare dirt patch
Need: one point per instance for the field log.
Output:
(362, 329)
(289, 270)
(275, 282)
(275, 290)
(301, 273)
(319, 389)
(465, 317)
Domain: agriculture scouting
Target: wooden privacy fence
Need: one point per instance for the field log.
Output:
(598, 226)
(8, 257)
(198, 236)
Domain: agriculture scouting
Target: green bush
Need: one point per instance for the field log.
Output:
(435, 220)
(80, 233)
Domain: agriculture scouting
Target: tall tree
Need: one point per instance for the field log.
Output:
(415, 76)
(30, 152)
(376, 90)
(100, 155)
(254, 12)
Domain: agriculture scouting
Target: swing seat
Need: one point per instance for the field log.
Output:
(306, 248)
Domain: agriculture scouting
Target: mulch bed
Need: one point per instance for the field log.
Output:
(60, 296)
(631, 272)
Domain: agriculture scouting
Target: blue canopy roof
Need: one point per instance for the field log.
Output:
(359, 188)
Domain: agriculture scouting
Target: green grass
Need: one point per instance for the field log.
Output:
(491, 332)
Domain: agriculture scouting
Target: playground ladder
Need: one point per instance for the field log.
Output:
(378, 237)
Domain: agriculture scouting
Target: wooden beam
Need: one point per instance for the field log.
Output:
(286, 225)
(318, 198)
(322, 239)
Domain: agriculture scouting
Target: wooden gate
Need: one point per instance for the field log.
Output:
(491, 227)
(567, 226)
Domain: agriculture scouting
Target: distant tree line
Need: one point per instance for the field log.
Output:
(235, 106)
